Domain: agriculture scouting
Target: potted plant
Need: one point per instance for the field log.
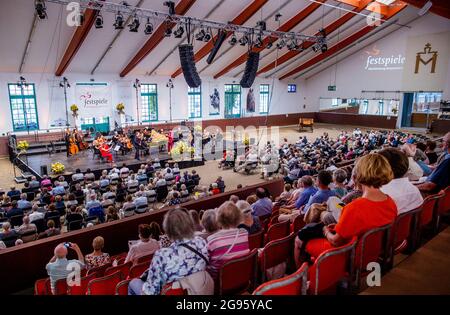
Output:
(58, 168)
(74, 109)
(23, 146)
(120, 108)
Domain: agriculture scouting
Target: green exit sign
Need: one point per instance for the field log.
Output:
(332, 88)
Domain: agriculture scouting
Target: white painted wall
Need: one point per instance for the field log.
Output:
(352, 77)
(50, 97)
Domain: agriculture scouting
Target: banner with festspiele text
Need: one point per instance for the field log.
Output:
(426, 64)
(93, 95)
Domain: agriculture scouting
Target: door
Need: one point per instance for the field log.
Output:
(408, 99)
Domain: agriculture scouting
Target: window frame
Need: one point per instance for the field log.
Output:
(193, 93)
(22, 98)
(266, 95)
(149, 95)
(235, 90)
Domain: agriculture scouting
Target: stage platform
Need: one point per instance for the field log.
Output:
(85, 160)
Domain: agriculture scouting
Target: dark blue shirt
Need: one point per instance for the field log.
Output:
(440, 175)
(319, 197)
(304, 196)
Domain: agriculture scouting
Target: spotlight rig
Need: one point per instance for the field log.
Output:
(134, 25)
(99, 21)
(244, 40)
(148, 29)
(119, 23)
(41, 9)
(233, 40)
(179, 32)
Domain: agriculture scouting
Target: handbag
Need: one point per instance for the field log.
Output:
(309, 232)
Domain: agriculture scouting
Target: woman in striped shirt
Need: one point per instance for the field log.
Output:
(229, 242)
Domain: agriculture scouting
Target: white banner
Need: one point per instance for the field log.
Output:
(426, 62)
(93, 95)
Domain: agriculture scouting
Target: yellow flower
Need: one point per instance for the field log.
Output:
(74, 108)
(23, 145)
(58, 168)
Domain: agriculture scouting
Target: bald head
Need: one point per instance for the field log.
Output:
(60, 251)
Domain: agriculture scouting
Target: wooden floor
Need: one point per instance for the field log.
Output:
(427, 271)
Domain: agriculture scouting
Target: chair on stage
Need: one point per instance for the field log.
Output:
(305, 123)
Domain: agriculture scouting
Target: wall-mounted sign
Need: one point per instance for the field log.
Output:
(93, 95)
(378, 62)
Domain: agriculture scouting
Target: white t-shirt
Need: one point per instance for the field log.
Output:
(406, 196)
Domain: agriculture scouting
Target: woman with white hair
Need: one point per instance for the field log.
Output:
(249, 222)
(415, 172)
(187, 255)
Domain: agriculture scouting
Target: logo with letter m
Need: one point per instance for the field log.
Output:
(426, 52)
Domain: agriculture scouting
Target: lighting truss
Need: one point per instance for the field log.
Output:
(180, 19)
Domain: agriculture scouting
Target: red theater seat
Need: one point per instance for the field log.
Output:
(239, 274)
(276, 252)
(294, 284)
(105, 285)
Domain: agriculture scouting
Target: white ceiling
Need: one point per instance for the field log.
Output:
(52, 36)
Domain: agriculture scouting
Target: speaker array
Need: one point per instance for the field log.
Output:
(251, 67)
(188, 65)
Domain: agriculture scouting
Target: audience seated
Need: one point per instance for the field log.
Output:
(187, 255)
(407, 197)
(373, 209)
(230, 241)
(97, 258)
(263, 205)
(59, 267)
(146, 245)
(249, 222)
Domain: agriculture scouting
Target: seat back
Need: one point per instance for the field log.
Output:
(298, 224)
(277, 252)
(401, 231)
(294, 284)
(56, 219)
(42, 287)
(137, 270)
(75, 225)
(427, 213)
(277, 231)
(122, 287)
(239, 274)
(40, 225)
(331, 267)
(256, 240)
(105, 285)
(100, 270)
(371, 246)
(82, 288)
(146, 259)
(16, 220)
(61, 287)
(123, 268)
(444, 203)
(10, 240)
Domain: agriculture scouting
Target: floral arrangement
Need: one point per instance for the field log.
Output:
(158, 137)
(198, 128)
(120, 107)
(181, 148)
(58, 168)
(23, 145)
(246, 140)
(74, 109)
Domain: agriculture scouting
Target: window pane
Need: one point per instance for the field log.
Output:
(149, 102)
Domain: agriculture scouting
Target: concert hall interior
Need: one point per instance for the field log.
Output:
(225, 147)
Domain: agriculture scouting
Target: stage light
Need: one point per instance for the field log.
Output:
(281, 44)
(148, 27)
(179, 32)
(134, 25)
(324, 48)
(208, 36)
(171, 6)
(269, 44)
(41, 10)
(99, 21)
(258, 42)
(119, 23)
(200, 35)
(244, 40)
(293, 45)
(168, 31)
(233, 40)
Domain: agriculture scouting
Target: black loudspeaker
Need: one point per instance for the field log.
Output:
(220, 39)
(188, 65)
(44, 170)
(251, 67)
